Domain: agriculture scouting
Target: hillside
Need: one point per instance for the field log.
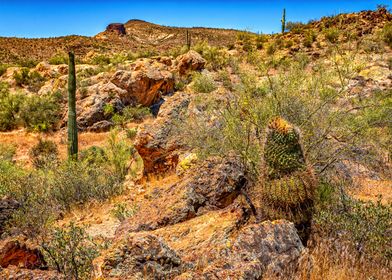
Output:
(242, 156)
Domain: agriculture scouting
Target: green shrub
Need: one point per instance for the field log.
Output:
(121, 211)
(129, 114)
(93, 155)
(131, 133)
(387, 34)
(364, 226)
(295, 27)
(10, 104)
(203, 83)
(100, 59)
(70, 251)
(28, 63)
(40, 113)
(310, 37)
(216, 58)
(332, 34)
(271, 49)
(7, 152)
(32, 79)
(43, 153)
(3, 69)
(59, 58)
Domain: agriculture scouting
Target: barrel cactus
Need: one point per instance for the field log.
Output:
(289, 185)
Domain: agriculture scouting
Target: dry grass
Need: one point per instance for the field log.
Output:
(24, 141)
(371, 190)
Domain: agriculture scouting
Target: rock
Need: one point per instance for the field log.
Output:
(138, 256)
(15, 273)
(117, 28)
(158, 143)
(145, 84)
(191, 61)
(101, 126)
(259, 251)
(210, 185)
(20, 254)
(7, 208)
(186, 162)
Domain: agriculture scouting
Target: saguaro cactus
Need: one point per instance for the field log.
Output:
(188, 40)
(283, 21)
(72, 128)
(289, 185)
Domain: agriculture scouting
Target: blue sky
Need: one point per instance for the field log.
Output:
(33, 19)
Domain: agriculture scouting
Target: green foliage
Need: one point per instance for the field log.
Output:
(271, 48)
(203, 83)
(93, 155)
(332, 34)
(121, 211)
(59, 58)
(100, 59)
(310, 37)
(42, 154)
(364, 226)
(118, 153)
(3, 69)
(28, 63)
(10, 104)
(131, 133)
(130, 114)
(216, 58)
(387, 34)
(7, 152)
(70, 251)
(294, 27)
(26, 77)
(40, 112)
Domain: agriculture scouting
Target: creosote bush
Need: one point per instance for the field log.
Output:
(203, 83)
(387, 34)
(70, 251)
(43, 153)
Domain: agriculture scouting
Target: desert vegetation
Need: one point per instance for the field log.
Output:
(209, 145)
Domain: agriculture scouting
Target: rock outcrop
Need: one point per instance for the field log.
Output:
(7, 208)
(211, 185)
(117, 28)
(15, 273)
(145, 83)
(19, 254)
(139, 256)
(158, 143)
(191, 61)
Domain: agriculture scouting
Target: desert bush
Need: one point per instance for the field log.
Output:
(3, 69)
(331, 34)
(216, 58)
(363, 226)
(10, 104)
(129, 114)
(26, 77)
(131, 133)
(93, 155)
(70, 251)
(40, 113)
(121, 211)
(28, 63)
(271, 48)
(119, 154)
(295, 27)
(43, 153)
(387, 34)
(203, 83)
(7, 152)
(100, 59)
(310, 37)
(59, 58)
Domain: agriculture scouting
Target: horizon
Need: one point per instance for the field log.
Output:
(44, 19)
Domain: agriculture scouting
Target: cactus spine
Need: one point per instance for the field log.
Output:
(72, 128)
(188, 40)
(289, 185)
(283, 21)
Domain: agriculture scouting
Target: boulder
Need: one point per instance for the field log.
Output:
(191, 61)
(17, 253)
(117, 28)
(138, 256)
(16, 273)
(7, 208)
(144, 84)
(210, 185)
(158, 143)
